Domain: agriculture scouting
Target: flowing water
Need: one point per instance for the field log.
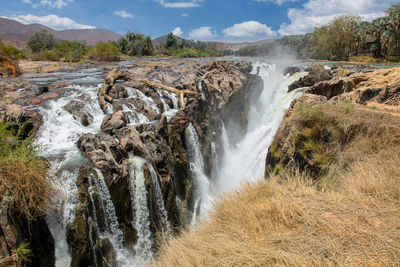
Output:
(245, 161)
(57, 137)
(203, 199)
(159, 201)
(241, 162)
(141, 222)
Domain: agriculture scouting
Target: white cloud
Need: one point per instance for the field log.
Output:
(249, 30)
(180, 4)
(178, 31)
(123, 14)
(185, 15)
(52, 21)
(56, 3)
(279, 2)
(320, 12)
(203, 34)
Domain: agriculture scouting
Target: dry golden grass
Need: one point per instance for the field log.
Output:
(22, 176)
(288, 221)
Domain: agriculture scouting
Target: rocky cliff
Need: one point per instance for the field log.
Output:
(345, 116)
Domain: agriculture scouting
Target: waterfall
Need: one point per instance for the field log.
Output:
(57, 137)
(140, 222)
(169, 112)
(203, 96)
(108, 227)
(203, 200)
(159, 200)
(245, 160)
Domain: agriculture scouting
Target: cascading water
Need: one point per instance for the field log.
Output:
(159, 200)
(202, 198)
(141, 222)
(245, 160)
(57, 137)
(241, 162)
(107, 225)
(168, 111)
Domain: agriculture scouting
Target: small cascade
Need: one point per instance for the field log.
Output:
(159, 200)
(141, 222)
(224, 139)
(133, 116)
(135, 93)
(168, 111)
(203, 96)
(58, 221)
(202, 185)
(107, 223)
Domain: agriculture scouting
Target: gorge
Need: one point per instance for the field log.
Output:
(133, 163)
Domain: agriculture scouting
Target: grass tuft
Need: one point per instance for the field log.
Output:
(22, 174)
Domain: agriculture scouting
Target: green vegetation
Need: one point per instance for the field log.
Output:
(171, 42)
(344, 38)
(43, 46)
(22, 253)
(135, 44)
(186, 48)
(22, 173)
(104, 51)
(67, 51)
(40, 41)
(11, 51)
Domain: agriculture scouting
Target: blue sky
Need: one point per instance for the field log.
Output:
(234, 20)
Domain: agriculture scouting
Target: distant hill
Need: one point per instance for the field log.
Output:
(161, 40)
(220, 46)
(15, 33)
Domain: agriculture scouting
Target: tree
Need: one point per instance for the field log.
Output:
(40, 41)
(338, 39)
(171, 42)
(104, 51)
(135, 44)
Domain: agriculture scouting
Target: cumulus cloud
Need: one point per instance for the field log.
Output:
(203, 34)
(279, 2)
(52, 21)
(320, 12)
(123, 14)
(185, 15)
(178, 31)
(179, 4)
(250, 30)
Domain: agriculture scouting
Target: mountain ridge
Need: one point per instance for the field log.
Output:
(15, 33)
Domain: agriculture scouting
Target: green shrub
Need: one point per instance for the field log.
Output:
(40, 41)
(104, 51)
(11, 51)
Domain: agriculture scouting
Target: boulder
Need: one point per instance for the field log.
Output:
(77, 109)
(316, 73)
(113, 122)
(8, 67)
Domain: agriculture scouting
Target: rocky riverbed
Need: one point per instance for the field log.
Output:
(129, 129)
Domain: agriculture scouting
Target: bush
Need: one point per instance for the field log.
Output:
(22, 174)
(11, 51)
(135, 44)
(104, 51)
(40, 41)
